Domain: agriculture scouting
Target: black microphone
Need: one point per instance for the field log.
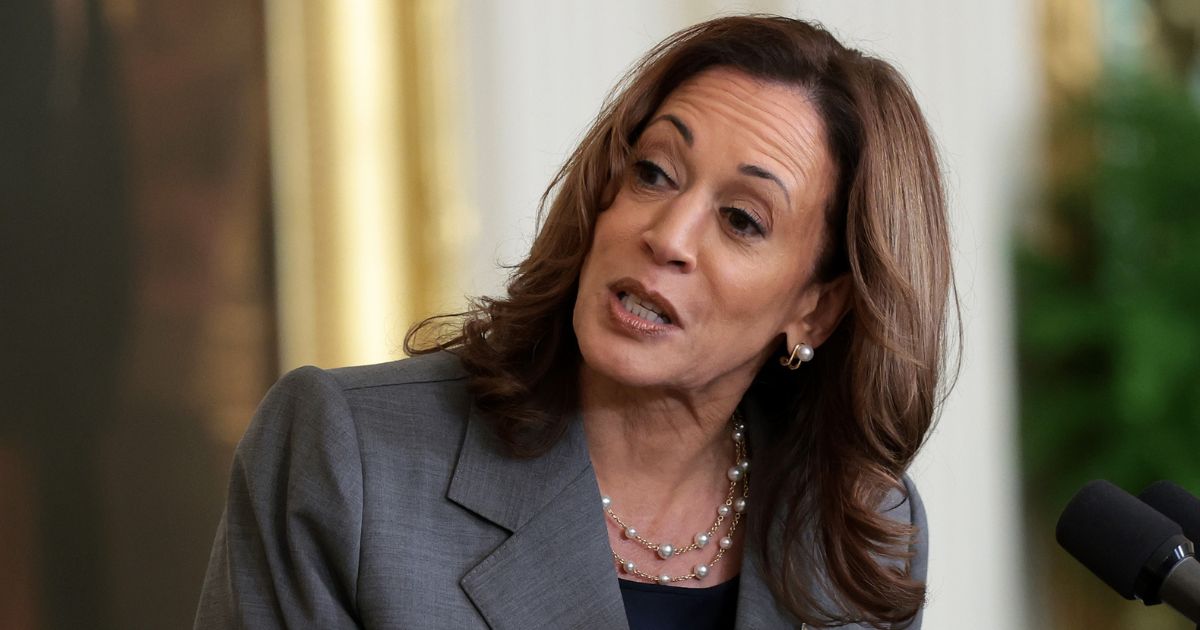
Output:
(1131, 547)
(1177, 504)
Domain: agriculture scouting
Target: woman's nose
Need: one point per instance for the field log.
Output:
(674, 236)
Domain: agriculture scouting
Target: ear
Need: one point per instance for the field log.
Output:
(819, 311)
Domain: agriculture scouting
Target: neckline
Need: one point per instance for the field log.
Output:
(715, 589)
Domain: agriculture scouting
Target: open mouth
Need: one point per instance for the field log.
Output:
(643, 308)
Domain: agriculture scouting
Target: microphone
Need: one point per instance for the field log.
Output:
(1177, 504)
(1131, 547)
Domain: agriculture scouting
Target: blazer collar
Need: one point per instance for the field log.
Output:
(509, 491)
(556, 569)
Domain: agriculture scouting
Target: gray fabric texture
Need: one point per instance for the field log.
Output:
(376, 497)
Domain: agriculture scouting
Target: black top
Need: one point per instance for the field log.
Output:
(661, 607)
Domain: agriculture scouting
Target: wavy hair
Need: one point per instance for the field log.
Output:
(850, 422)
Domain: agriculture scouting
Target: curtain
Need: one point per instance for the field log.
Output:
(370, 210)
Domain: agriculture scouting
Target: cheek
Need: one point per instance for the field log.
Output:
(756, 301)
(616, 232)
(606, 250)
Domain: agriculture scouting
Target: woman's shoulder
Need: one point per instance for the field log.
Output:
(435, 367)
(904, 504)
(426, 394)
(439, 375)
(328, 457)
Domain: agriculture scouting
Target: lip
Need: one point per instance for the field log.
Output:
(629, 285)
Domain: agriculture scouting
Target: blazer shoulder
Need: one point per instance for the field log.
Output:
(338, 389)
(916, 508)
(426, 368)
(415, 407)
(421, 395)
(904, 504)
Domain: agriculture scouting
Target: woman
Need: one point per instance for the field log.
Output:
(740, 284)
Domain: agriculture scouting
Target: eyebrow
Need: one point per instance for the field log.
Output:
(679, 126)
(745, 169)
(758, 171)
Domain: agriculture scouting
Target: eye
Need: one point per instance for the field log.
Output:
(743, 222)
(650, 174)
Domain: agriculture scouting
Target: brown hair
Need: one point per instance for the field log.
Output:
(850, 421)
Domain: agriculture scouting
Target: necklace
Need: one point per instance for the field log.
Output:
(731, 506)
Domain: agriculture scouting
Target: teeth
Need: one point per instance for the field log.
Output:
(646, 310)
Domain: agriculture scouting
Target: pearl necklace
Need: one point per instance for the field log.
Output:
(735, 506)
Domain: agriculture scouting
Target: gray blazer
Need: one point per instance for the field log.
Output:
(376, 497)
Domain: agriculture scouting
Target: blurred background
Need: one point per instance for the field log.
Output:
(198, 196)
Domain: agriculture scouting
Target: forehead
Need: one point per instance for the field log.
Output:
(765, 123)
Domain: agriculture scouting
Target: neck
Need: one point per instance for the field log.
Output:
(663, 459)
(659, 441)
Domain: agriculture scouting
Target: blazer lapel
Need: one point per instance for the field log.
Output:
(555, 570)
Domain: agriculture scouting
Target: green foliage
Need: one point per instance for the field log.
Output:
(1109, 300)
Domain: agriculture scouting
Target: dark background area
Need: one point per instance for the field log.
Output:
(136, 311)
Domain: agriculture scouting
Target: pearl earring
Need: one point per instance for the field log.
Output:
(802, 353)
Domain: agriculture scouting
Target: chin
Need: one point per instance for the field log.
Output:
(627, 370)
(622, 360)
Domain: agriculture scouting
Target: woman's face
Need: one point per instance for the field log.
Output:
(707, 253)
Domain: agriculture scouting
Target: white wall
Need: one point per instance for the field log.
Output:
(539, 70)
(538, 73)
